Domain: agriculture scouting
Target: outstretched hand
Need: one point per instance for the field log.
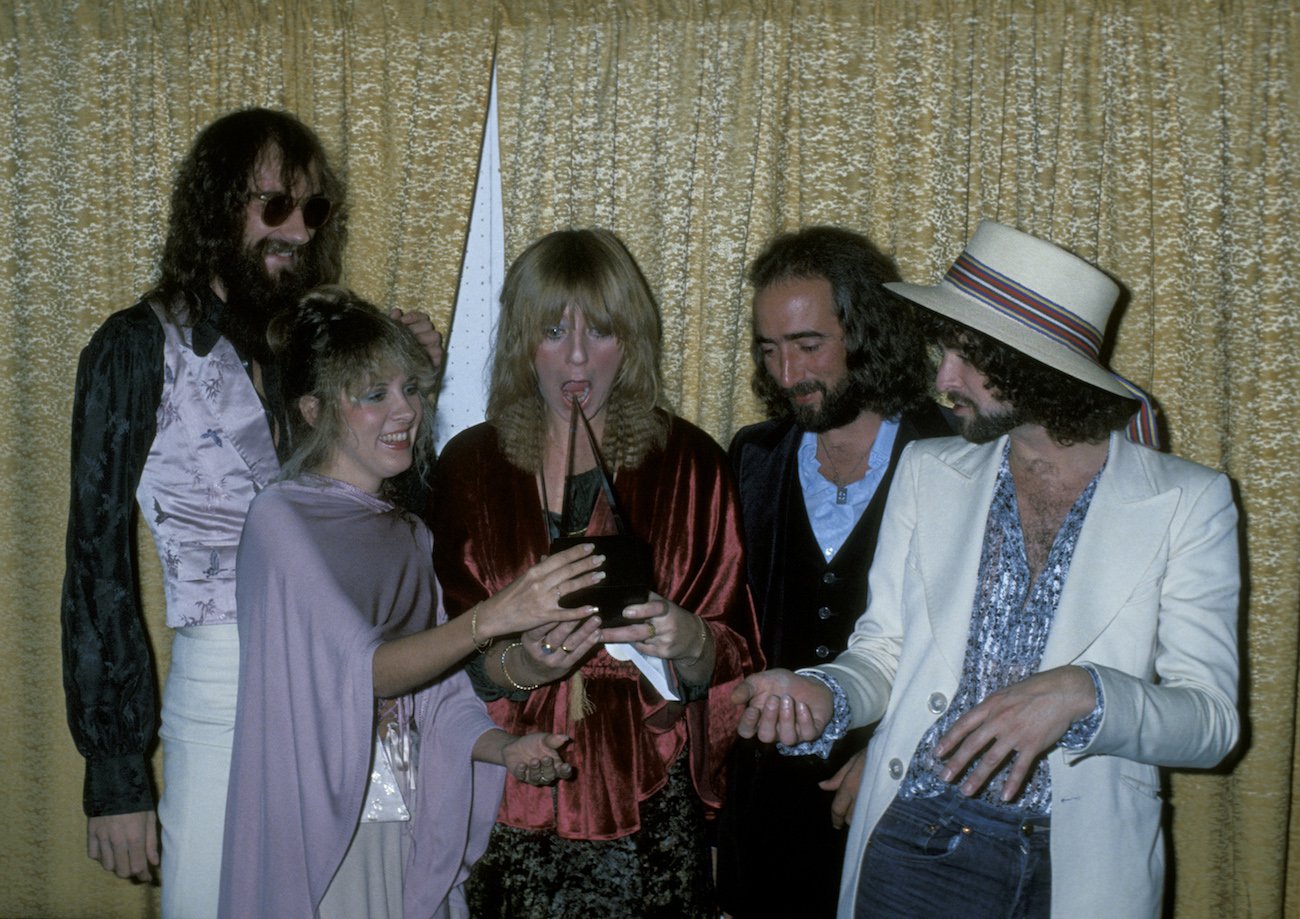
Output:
(533, 598)
(554, 649)
(535, 758)
(781, 705)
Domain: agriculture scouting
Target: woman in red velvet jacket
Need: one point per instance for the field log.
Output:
(626, 836)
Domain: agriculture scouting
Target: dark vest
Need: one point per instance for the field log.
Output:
(821, 600)
(776, 821)
(807, 607)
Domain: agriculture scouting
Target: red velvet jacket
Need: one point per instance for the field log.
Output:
(489, 528)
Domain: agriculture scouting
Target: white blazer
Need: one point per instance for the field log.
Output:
(1151, 601)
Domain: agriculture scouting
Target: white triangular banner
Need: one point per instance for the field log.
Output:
(462, 401)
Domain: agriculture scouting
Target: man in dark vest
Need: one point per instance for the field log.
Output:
(841, 367)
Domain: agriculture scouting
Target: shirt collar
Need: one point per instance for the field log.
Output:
(208, 332)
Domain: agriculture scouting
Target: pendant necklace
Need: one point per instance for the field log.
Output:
(841, 486)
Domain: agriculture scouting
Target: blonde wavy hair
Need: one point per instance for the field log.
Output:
(591, 270)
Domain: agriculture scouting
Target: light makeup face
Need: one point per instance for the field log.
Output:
(380, 423)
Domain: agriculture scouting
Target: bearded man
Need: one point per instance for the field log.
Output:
(840, 364)
(178, 408)
(1053, 618)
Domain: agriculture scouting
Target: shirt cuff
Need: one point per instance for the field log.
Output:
(1080, 733)
(836, 728)
(117, 785)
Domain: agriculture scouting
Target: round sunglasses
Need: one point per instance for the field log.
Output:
(277, 206)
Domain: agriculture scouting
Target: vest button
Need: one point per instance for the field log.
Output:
(822, 651)
(829, 578)
(824, 613)
(937, 702)
(895, 768)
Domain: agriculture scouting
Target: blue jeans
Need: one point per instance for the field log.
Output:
(953, 856)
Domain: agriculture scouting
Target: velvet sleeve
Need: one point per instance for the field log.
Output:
(694, 527)
(452, 520)
(108, 673)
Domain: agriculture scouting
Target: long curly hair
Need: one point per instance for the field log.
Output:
(1070, 410)
(591, 270)
(886, 355)
(206, 227)
(335, 343)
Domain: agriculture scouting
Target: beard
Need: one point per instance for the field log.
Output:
(984, 427)
(838, 407)
(254, 298)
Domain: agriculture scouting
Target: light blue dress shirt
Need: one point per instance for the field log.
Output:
(832, 523)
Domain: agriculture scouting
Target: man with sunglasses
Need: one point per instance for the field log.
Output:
(177, 408)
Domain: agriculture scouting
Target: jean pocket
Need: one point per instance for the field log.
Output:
(915, 839)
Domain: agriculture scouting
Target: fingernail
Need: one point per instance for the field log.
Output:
(598, 575)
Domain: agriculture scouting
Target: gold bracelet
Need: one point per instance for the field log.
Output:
(473, 631)
(506, 673)
(704, 643)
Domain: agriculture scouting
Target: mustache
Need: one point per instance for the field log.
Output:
(270, 246)
(805, 388)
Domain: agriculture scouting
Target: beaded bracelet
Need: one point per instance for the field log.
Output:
(473, 631)
(506, 673)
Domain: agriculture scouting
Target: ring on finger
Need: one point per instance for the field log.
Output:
(548, 648)
(565, 648)
(653, 631)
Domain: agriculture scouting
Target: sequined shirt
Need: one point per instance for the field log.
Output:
(1010, 622)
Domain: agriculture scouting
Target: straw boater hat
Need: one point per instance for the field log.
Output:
(1038, 299)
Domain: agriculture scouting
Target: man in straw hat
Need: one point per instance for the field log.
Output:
(1052, 616)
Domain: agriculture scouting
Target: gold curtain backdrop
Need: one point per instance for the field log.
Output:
(1154, 138)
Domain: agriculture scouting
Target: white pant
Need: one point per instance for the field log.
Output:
(368, 885)
(198, 726)
(369, 882)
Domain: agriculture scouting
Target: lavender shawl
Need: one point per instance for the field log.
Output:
(325, 572)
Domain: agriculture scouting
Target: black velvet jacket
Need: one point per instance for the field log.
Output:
(776, 821)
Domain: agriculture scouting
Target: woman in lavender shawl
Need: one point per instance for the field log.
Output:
(363, 781)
